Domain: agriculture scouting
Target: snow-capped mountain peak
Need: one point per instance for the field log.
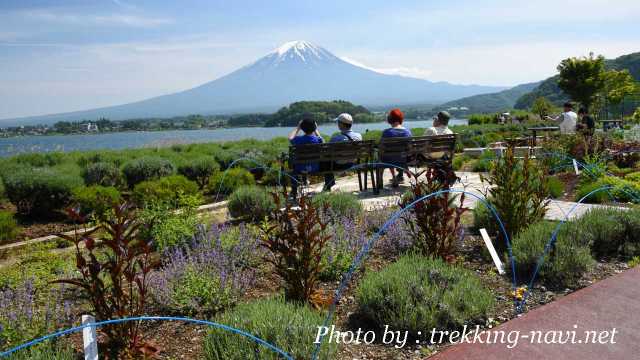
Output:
(299, 51)
(298, 46)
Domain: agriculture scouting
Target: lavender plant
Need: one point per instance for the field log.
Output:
(28, 313)
(347, 236)
(396, 239)
(210, 275)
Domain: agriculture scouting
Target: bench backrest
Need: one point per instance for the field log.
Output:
(418, 150)
(342, 152)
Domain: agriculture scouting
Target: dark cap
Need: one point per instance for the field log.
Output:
(307, 116)
(568, 105)
(444, 116)
(308, 126)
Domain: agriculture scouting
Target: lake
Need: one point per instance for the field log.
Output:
(123, 140)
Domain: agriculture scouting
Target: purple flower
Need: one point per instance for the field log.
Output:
(222, 258)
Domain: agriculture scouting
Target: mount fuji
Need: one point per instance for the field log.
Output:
(295, 71)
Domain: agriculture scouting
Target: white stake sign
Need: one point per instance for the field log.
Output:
(492, 251)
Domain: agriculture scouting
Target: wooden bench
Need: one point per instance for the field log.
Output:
(332, 158)
(418, 151)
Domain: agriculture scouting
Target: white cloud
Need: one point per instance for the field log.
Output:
(120, 19)
(502, 64)
(414, 72)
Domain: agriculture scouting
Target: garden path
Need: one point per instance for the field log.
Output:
(557, 210)
(611, 303)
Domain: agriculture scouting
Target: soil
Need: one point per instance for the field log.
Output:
(175, 340)
(35, 228)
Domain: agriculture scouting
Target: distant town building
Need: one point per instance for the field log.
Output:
(90, 127)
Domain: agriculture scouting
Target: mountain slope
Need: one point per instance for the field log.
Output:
(494, 102)
(549, 87)
(293, 72)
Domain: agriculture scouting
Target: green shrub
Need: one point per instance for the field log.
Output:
(611, 232)
(45, 351)
(146, 168)
(459, 161)
(167, 190)
(586, 187)
(634, 176)
(621, 190)
(8, 227)
(103, 174)
(483, 219)
(555, 186)
(39, 266)
(339, 204)
(200, 290)
(518, 193)
(199, 170)
(484, 162)
(227, 182)
(252, 202)
(97, 201)
(39, 159)
(290, 327)
(2, 189)
(170, 228)
(417, 293)
(563, 266)
(40, 191)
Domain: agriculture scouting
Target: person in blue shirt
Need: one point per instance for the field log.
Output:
(395, 119)
(345, 122)
(310, 135)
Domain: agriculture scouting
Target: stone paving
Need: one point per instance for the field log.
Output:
(557, 210)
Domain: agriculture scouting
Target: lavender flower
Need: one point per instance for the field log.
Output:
(27, 313)
(210, 274)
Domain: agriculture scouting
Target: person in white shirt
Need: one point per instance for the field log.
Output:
(568, 119)
(440, 125)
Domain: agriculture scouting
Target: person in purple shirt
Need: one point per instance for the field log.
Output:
(395, 119)
(310, 135)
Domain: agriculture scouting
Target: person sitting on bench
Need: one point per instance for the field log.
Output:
(440, 125)
(395, 119)
(345, 122)
(310, 136)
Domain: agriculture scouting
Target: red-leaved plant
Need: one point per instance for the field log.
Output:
(295, 239)
(434, 222)
(114, 263)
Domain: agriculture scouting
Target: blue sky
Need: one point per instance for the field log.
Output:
(68, 55)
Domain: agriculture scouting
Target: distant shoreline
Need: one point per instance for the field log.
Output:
(167, 130)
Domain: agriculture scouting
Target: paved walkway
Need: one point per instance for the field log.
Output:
(603, 306)
(557, 210)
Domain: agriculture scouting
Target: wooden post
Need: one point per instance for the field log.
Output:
(89, 338)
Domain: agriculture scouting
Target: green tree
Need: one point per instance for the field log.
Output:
(582, 78)
(542, 107)
(619, 84)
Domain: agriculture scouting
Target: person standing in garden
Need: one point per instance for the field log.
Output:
(345, 123)
(395, 119)
(440, 125)
(310, 135)
(587, 125)
(568, 119)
